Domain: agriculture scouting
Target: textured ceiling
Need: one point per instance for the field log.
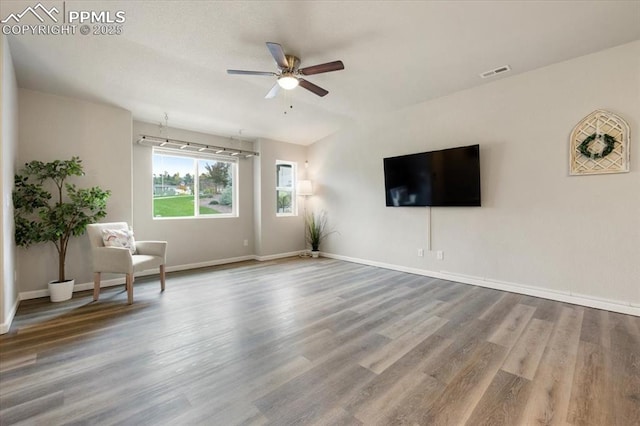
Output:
(172, 56)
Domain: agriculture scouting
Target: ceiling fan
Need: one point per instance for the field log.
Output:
(289, 74)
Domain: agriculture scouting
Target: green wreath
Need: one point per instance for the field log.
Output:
(609, 141)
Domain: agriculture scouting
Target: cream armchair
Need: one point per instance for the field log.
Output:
(148, 254)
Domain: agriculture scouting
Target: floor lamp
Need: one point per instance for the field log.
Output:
(305, 189)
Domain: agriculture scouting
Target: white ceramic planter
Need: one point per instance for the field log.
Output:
(59, 292)
(315, 253)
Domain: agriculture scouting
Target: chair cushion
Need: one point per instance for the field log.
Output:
(119, 238)
(142, 262)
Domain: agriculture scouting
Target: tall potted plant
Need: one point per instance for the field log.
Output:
(54, 213)
(316, 231)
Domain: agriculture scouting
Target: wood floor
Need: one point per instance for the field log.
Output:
(320, 341)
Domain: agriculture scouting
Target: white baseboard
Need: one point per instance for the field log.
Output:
(568, 297)
(206, 264)
(277, 256)
(26, 295)
(103, 283)
(6, 325)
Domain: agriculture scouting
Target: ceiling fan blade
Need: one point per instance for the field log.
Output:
(312, 87)
(278, 55)
(242, 72)
(273, 92)
(317, 69)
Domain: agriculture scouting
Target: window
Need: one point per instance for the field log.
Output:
(188, 185)
(285, 188)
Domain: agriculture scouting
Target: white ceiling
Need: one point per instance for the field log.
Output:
(173, 55)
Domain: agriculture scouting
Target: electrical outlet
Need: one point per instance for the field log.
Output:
(420, 252)
(246, 243)
(440, 255)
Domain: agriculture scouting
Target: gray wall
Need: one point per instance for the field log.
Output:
(9, 129)
(203, 241)
(277, 234)
(538, 226)
(54, 127)
(194, 241)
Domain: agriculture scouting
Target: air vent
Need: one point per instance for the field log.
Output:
(496, 71)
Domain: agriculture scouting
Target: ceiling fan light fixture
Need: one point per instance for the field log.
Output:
(289, 75)
(288, 82)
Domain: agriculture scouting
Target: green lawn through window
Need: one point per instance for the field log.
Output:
(178, 206)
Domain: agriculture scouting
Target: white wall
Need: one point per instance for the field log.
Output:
(196, 241)
(54, 127)
(9, 131)
(277, 234)
(537, 226)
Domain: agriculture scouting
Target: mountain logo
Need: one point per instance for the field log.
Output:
(34, 11)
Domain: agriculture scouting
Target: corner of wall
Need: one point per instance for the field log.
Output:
(257, 200)
(9, 130)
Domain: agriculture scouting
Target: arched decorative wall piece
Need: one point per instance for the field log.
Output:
(599, 144)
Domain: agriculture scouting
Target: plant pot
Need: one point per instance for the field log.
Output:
(315, 253)
(61, 291)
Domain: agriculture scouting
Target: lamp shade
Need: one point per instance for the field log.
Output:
(305, 187)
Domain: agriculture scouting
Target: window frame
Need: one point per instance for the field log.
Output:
(196, 157)
(292, 189)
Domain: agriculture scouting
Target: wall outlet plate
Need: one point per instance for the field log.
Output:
(420, 252)
(440, 255)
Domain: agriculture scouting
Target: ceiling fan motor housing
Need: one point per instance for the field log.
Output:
(293, 62)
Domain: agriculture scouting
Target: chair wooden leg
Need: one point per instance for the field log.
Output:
(129, 282)
(96, 285)
(161, 277)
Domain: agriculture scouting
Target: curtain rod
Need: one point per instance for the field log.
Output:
(186, 146)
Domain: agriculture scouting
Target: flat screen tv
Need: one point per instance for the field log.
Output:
(449, 177)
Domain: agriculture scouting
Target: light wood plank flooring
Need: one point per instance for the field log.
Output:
(317, 341)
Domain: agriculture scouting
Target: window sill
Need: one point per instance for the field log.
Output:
(217, 216)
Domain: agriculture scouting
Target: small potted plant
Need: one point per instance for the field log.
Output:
(316, 231)
(40, 216)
